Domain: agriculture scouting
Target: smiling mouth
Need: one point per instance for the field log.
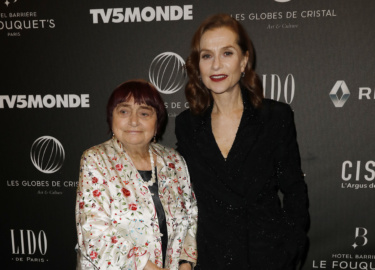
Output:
(218, 78)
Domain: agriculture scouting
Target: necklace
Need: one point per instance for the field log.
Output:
(152, 181)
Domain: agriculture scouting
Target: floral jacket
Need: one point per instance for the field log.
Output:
(117, 225)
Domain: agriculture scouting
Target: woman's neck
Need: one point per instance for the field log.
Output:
(137, 151)
(140, 156)
(227, 103)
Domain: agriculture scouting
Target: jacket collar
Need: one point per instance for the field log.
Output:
(227, 170)
(250, 115)
(156, 149)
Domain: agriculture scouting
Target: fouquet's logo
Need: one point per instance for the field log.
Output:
(7, 3)
(339, 88)
(167, 72)
(15, 22)
(47, 154)
(360, 238)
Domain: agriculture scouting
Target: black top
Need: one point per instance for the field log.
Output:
(242, 223)
(146, 176)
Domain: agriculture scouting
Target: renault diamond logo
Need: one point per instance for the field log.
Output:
(337, 101)
(167, 72)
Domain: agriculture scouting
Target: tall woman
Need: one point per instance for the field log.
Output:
(135, 208)
(241, 150)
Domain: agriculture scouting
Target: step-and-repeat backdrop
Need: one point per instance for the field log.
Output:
(60, 60)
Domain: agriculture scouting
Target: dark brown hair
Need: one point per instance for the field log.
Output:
(143, 92)
(197, 94)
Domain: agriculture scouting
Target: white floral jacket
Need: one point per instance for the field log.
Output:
(117, 225)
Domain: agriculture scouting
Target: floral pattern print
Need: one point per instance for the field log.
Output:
(117, 225)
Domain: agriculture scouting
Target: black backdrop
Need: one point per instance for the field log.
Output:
(59, 67)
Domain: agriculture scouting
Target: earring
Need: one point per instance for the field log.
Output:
(199, 77)
(242, 74)
(154, 139)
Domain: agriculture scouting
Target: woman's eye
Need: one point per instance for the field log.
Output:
(123, 112)
(144, 114)
(228, 53)
(205, 56)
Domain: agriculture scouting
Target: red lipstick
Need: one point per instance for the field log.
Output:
(218, 77)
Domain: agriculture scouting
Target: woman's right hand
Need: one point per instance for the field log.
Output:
(151, 266)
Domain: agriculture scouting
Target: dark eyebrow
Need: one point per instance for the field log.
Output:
(120, 105)
(146, 107)
(204, 50)
(223, 48)
(229, 47)
(127, 105)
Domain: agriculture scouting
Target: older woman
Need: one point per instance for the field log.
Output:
(135, 207)
(241, 150)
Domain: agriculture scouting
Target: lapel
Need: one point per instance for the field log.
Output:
(161, 162)
(246, 137)
(206, 143)
(247, 134)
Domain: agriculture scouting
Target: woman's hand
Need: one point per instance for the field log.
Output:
(185, 266)
(152, 266)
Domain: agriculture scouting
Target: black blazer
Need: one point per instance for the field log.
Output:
(242, 223)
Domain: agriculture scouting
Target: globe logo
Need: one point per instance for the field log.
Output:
(47, 154)
(167, 72)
